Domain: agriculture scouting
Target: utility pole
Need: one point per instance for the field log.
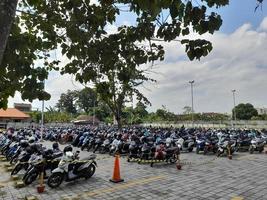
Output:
(192, 98)
(234, 111)
(94, 114)
(42, 119)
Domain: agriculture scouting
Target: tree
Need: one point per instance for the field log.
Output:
(7, 15)
(78, 28)
(187, 110)
(102, 112)
(140, 110)
(245, 111)
(87, 99)
(67, 102)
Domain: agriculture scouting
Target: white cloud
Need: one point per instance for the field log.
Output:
(238, 61)
(263, 25)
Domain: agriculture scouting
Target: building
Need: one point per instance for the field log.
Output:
(262, 111)
(12, 115)
(24, 107)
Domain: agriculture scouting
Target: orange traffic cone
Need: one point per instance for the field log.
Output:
(116, 178)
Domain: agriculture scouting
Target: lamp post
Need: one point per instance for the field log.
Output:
(42, 118)
(192, 98)
(234, 111)
(94, 114)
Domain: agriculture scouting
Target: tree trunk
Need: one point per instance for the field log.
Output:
(7, 15)
(118, 119)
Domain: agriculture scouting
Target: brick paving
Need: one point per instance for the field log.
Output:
(201, 178)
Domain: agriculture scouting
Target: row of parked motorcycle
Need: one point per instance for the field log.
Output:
(31, 158)
(21, 147)
(166, 144)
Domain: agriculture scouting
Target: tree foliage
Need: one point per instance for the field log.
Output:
(245, 111)
(67, 102)
(78, 28)
(86, 99)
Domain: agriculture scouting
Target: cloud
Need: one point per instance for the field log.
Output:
(263, 25)
(238, 61)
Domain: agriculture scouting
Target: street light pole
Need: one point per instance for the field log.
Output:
(94, 114)
(42, 119)
(234, 111)
(192, 106)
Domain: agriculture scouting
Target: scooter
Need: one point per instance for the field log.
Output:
(200, 145)
(22, 162)
(210, 146)
(105, 146)
(185, 145)
(134, 151)
(257, 144)
(169, 155)
(226, 146)
(71, 168)
(42, 163)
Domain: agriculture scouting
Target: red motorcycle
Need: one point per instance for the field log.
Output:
(169, 155)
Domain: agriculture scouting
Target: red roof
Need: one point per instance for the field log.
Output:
(12, 113)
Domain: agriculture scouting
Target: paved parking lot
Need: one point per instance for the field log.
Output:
(201, 177)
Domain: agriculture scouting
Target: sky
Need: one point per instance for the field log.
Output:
(238, 61)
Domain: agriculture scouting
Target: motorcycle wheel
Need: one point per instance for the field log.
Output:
(261, 149)
(89, 147)
(30, 177)
(173, 159)
(197, 150)
(190, 149)
(218, 153)
(82, 148)
(251, 150)
(90, 171)
(13, 160)
(16, 169)
(102, 150)
(205, 151)
(55, 179)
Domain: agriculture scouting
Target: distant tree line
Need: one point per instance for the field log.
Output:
(73, 103)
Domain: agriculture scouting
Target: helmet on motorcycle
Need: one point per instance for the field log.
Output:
(67, 148)
(29, 150)
(31, 139)
(48, 152)
(24, 143)
(168, 140)
(55, 145)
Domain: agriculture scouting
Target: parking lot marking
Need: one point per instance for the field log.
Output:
(237, 198)
(123, 186)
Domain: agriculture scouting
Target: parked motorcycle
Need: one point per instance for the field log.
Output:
(169, 155)
(71, 168)
(200, 145)
(22, 162)
(186, 144)
(45, 162)
(257, 144)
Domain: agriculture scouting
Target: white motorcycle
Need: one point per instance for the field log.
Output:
(185, 145)
(226, 146)
(71, 168)
(257, 144)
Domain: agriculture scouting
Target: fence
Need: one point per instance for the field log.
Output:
(18, 125)
(206, 124)
(212, 124)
